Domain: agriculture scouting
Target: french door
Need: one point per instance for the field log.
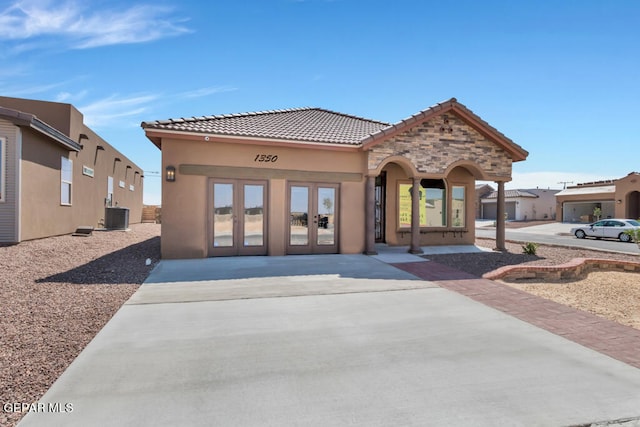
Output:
(313, 219)
(237, 215)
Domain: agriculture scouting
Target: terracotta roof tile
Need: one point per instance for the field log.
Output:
(302, 124)
(511, 194)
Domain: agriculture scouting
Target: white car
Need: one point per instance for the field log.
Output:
(607, 228)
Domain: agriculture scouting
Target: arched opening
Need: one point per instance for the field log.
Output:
(633, 205)
(390, 179)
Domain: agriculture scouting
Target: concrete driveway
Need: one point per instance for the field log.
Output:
(329, 340)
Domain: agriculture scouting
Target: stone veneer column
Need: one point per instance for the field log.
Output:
(500, 220)
(415, 217)
(370, 216)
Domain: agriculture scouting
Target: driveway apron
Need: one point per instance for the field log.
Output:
(332, 340)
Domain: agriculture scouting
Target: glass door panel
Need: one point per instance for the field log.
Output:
(223, 212)
(253, 215)
(299, 216)
(239, 218)
(313, 218)
(326, 202)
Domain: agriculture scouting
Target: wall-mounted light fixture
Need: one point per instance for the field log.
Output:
(619, 201)
(170, 174)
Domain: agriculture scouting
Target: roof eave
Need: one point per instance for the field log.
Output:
(19, 118)
(155, 135)
(55, 134)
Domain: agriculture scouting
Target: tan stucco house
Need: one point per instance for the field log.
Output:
(310, 180)
(616, 198)
(57, 175)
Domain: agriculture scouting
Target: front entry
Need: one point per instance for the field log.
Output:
(237, 218)
(312, 218)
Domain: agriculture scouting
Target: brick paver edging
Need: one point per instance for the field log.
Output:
(574, 269)
(605, 336)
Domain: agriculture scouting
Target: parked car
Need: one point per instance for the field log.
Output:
(607, 228)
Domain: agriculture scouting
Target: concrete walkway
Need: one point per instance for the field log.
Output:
(330, 340)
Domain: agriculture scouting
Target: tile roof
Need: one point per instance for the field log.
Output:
(604, 190)
(301, 124)
(511, 194)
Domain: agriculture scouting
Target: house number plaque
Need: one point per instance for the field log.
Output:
(266, 158)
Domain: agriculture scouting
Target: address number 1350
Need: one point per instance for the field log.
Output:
(266, 158)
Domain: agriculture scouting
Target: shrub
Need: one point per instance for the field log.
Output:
(635, 234)
(530, 248)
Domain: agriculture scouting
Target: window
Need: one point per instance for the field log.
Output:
(404, 206)
(457, 206)
(66, 179)
(3, 143)
(435, 202)
(108, 202)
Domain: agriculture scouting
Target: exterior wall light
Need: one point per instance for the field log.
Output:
(170, 175)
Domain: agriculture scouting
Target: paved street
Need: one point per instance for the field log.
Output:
(557, 234)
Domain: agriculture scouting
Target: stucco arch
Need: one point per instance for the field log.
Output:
(472, 167)
(403, 162)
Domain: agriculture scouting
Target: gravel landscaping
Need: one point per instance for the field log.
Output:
(612, 295)
(57, 293)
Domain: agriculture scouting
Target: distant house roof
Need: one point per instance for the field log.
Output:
(29, 120)
(603, 189)
(302, 124)
(511, 194)
(317, 125)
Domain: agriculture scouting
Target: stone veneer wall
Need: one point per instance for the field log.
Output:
(575, 269)
(437, 143)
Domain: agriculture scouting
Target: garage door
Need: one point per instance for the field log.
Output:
(490, 210)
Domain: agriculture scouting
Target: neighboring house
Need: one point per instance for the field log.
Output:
(309, 180)
(522, 205)
(56, 174)
(617, 198)
(482, 190)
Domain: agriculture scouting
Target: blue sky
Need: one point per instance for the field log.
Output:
(560, 78)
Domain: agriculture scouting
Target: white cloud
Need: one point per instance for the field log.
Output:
(198, 93)
(115, 109)
(87, 28)
(70, 97)
(29, 90)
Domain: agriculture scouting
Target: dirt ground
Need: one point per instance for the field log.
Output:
(609, 294)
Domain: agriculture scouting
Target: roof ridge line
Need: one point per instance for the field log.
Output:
(351, 116)
(263, 112)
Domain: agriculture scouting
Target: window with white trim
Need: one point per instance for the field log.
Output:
(66, 180)
(108, 202)
(3, 145)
